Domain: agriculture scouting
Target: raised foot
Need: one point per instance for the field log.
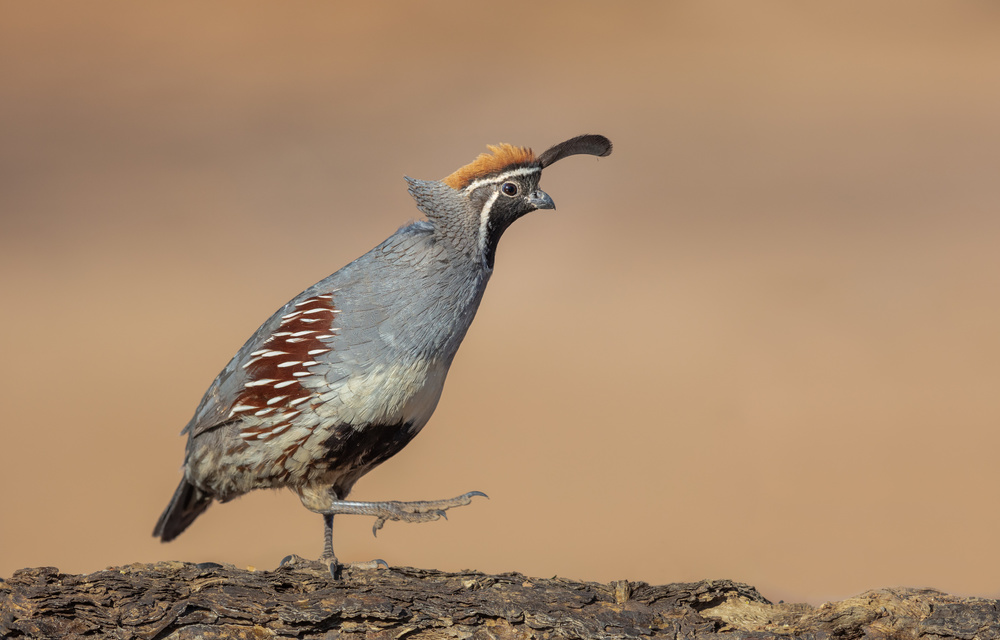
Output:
(420, 511)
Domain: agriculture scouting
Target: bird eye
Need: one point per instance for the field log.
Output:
(509, 189)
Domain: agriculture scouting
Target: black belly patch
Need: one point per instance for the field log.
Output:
(364, 448)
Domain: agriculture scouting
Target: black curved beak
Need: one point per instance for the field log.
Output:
(540, 200)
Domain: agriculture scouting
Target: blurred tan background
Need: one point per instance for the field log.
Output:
(761, 341)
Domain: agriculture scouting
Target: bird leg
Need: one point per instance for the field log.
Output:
(419, 511)
(326, 502)
(328, 559)
(328, 555)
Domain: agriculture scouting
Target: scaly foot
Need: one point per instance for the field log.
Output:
(331, 563)
(420, 511)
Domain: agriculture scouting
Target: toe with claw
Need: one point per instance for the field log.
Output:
(419, 511)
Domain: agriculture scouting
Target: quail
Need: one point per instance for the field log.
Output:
(344, 375)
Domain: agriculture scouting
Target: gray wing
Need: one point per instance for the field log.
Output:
(336, 329)
(229, 390)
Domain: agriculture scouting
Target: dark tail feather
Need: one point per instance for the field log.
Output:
(187, 504)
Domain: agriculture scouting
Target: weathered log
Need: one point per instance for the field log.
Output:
(301, 600)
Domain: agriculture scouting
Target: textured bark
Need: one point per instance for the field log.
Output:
(301, 600)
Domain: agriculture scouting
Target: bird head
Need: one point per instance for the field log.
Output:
(499, 187)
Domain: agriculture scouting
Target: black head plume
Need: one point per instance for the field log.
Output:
(593, 145)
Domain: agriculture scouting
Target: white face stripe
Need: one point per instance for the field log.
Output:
(513, 173)
(484, 219)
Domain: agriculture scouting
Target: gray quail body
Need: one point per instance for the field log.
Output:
(343, 376)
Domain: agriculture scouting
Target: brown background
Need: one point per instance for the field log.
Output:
(761, 341)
